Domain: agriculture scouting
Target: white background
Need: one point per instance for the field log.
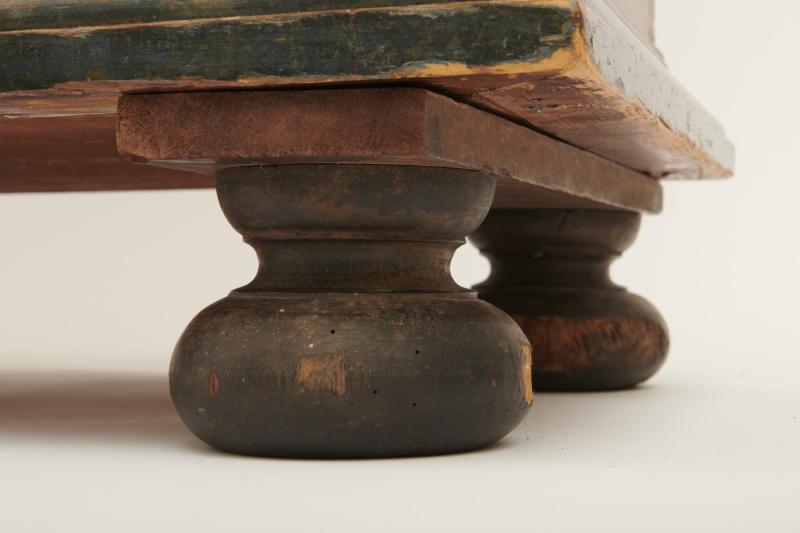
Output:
(95, 288)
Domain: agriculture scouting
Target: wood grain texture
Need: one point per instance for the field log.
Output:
(569, 68)
(77, 153)
(204, 132)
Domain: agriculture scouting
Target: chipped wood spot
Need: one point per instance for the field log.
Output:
(527, 373)
(322, 373)
(567, 344)
(559, 60)
(213, 385)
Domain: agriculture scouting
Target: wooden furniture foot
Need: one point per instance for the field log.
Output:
(352, 340)
(550, 273)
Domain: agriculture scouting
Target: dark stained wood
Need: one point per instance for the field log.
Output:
(550, 273)
(352, 340)
(207, 131)
(41, 14)
(77, 153)
(571, 69)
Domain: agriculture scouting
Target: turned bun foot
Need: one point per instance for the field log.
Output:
(352, 340)
(550, 273)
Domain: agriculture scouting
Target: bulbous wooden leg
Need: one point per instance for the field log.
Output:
(550, 273)
(352, 340)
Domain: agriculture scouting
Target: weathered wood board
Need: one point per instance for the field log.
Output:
(570, 68)
(400, 126)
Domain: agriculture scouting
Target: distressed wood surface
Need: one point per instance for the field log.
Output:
(204, 132)
(569, 68)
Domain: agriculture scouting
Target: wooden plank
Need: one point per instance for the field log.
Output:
(76, 154)
(208, 131)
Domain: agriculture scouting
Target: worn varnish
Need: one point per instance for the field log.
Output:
(352, 340)
(571, 69)
(550, 273)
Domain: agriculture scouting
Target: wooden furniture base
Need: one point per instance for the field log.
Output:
(352, 340)
(550, 273)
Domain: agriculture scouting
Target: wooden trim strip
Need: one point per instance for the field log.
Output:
(204, 132)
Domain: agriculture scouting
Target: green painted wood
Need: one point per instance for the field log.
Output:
(40, 14)
(319, 45)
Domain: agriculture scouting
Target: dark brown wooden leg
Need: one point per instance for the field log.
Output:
(352, 340)
(550, 273)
